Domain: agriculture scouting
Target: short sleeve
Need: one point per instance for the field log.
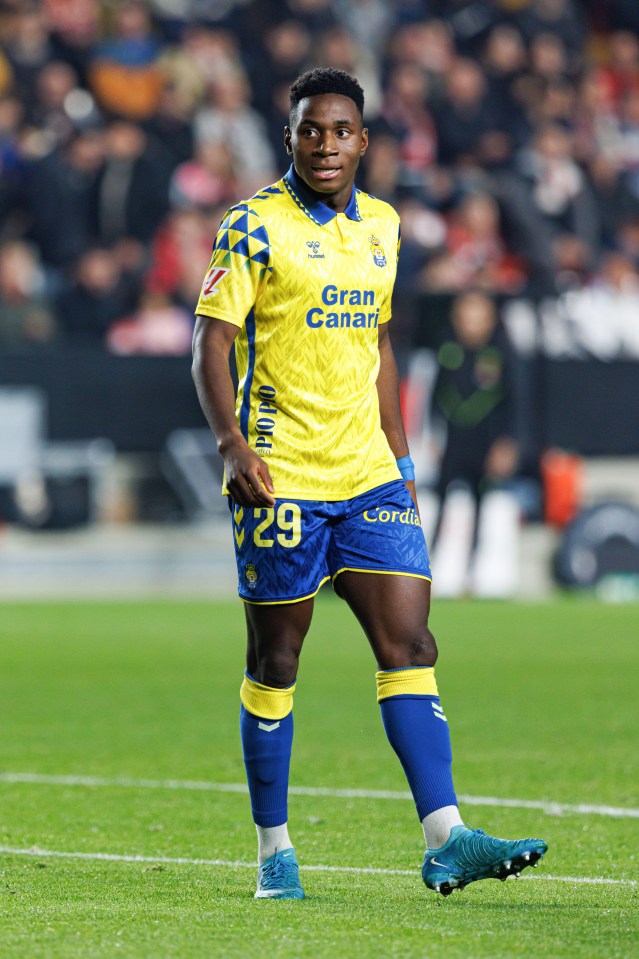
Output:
(385, 312)
(240, 265)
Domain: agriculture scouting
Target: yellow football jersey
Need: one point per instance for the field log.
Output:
(309, 289)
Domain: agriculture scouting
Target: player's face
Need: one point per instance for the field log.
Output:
(326, 141)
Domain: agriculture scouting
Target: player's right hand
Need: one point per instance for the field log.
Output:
(247, 476)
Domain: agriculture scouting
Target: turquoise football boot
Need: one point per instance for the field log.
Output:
(469, 855)
(279, 877)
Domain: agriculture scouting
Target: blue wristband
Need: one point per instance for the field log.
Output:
(406, 467)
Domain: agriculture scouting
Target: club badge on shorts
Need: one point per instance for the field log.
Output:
(251, 575)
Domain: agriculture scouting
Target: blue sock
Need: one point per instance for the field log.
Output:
(266, 746)
(418, 732)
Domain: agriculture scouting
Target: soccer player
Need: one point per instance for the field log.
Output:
(319, 477)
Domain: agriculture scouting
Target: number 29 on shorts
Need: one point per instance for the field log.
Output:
(283, 525)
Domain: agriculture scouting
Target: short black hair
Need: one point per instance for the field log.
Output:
(326, 80)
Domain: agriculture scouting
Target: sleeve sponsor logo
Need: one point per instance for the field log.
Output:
(212, 279)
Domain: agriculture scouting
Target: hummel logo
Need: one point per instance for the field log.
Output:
(438, 712)
(268, 727)
(435, 863)
(314, 246)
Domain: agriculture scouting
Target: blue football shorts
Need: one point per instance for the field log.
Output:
(286, 552)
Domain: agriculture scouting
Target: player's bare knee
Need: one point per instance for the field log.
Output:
(426, 647)
(276, 668)
(413, 649)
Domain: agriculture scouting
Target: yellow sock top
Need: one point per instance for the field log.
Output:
(266, 701)
(412, 681)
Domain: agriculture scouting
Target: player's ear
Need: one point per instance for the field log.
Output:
(364, 141)
(287, 140)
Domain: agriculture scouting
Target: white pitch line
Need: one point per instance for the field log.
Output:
(547, 806)
(236, 864)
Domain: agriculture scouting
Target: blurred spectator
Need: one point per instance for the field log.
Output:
(94, 298)
(470, 21)
(548, 57)
(133, 260)
(214, 52)
(560, 18)
(423, 232)
(616, 274)
(621, 75)
(61, 195)
(409, 119)
(555, 104)
(75, 29)
(476, 256)
(603, 315)
(595, 120)
(427, 45)
(561, 201)
(226, 118)
(180, 254)
(338, 48)
(616, 204)
(625, 145)
(382, 167)
(628, 234)
(473, 395)
(572, 261)
(131, 190)
(316, 14)
(287, 45)
(157, 328)
(28, 49)
(206, 181)
(170, 128)
(48, 111)
(278, 117)
(25, 318)
(284, 56)
(366, 20)
(471, 126)
(504, 61)
(124, 73)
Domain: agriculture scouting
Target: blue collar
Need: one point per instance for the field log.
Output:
(313, 208)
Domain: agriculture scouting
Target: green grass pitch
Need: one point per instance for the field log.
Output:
(542, 705)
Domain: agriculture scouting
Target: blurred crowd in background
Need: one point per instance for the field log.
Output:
(505, 132)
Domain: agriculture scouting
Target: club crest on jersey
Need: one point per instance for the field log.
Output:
(314, 246)
(251, 575)
(212, 278)
(377, 251)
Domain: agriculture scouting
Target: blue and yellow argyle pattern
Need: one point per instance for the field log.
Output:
(242, 236)
(308, 289)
